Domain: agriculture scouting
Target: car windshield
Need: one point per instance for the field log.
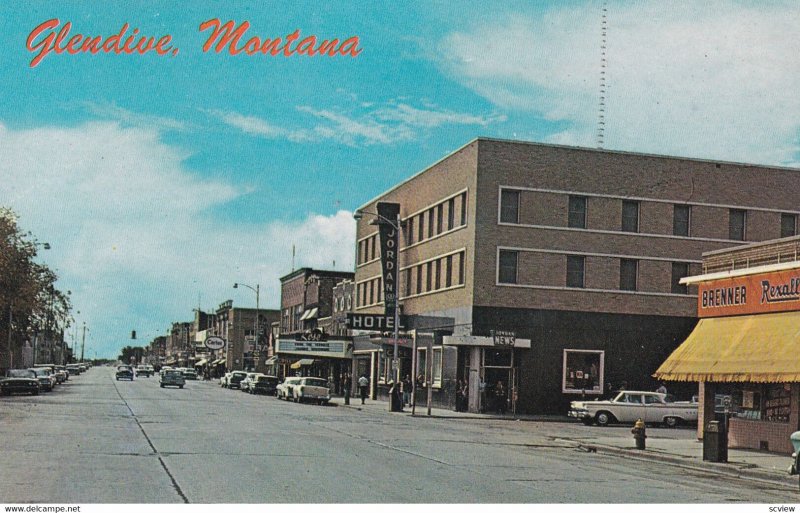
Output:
(267, 379)
(42, 372)
(316, 382)
(20, 373)
(123, 368)
(172, 373)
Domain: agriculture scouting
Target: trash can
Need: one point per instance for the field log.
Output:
(715, 442)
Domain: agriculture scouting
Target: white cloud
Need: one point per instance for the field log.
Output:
(712, 79)
(133, 234)
(129, 118)
(388, 124)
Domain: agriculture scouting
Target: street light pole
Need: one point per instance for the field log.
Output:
(256, 323)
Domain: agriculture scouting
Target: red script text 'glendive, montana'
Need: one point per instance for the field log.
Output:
(48, 38)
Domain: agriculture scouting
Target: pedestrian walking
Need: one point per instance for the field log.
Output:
(407, 390)
(500, 398)
(363, 386)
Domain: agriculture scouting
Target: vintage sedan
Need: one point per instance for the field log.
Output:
(263, 384)
(47, 380)
(19, 381)
(285, 390)
(311, 389)
(236, 379)
(244, 386)
(124, 372)
(172, 377)
(629, 405)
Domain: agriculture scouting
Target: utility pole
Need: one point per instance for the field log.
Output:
(83, 340)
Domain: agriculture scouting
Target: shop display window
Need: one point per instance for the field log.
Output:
(583, 371)
(771, 403)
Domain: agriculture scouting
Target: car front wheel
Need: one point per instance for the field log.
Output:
(604, 418)
(671, 422)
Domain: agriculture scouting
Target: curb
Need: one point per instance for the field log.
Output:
(726, 469)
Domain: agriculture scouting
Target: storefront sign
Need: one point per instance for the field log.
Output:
(331, 348)
(503, 338)
(372, 322)
(214, 343)
(758, 293)
(388, 224)
(473, 340)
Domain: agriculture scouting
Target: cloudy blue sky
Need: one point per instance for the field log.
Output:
(161, 181)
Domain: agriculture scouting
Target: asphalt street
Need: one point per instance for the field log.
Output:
(96, 440)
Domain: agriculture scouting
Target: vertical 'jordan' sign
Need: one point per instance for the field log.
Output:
(388, 224)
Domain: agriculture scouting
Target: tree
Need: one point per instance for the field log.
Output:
(29, 301)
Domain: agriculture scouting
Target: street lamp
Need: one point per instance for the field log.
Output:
(397, 224)
(255, 333)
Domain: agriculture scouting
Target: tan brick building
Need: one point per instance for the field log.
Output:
(578, 252)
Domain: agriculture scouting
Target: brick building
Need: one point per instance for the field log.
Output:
(303, 346)
(237, 326)
(742, 349)
(577, 252)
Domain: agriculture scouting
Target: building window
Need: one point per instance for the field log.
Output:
(630, 216)
(461, 264)
(508, 266)
(451, 213)
(575, 268)
(419, 279)
(430, 223)
(681, 215)
(788, 225)
(737, 223)
(374, 244)
(421, 231)
(440, 218)
(408, 281)
(371, 292)
(679, 270)
(410, 231)
(448, 271)
(509, 206)
(438, 280)
(583, 371)
(577, 212)
(463, 209)
(628, 272)
(429, 276)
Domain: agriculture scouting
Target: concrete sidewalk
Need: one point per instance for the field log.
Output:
(688, 453)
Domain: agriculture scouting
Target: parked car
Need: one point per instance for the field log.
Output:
(189, 373)
(236, 379)
(172, 377)
(61, 373)
(264, 384)
(74, 369)
(124, 372)
(244, 386)
(19, 381)
(57, 377)
(285, 389)
(144, 370)
(630, 405)
(63, 368)
(47, 380)
(311, 389)
(223, 381)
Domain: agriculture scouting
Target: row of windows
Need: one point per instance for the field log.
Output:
(576, 272)
(437, 274)
(442, 273)
(440, 218)
(681, 216)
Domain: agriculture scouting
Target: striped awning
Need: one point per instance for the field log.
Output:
(747, 348)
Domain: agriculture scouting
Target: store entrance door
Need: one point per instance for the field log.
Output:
(499, 378)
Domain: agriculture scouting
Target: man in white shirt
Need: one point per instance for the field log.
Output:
(363, 386)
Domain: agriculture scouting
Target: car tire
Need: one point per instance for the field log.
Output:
(162, 385)
(296, 399)
(180, 386)
(671, 422)
(587, 421)
(35, 392)
(604, 418)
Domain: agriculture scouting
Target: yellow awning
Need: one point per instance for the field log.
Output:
(755, 348)
(300, 363)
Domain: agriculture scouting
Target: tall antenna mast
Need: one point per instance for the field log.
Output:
(601, 107)
(292, 257)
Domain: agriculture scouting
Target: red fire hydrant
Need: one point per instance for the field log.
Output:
(639, 434)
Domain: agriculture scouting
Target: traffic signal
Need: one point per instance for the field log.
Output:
(133, 335)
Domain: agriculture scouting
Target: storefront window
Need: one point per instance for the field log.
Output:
(583, 371)
(436, 366)
(763, 402)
